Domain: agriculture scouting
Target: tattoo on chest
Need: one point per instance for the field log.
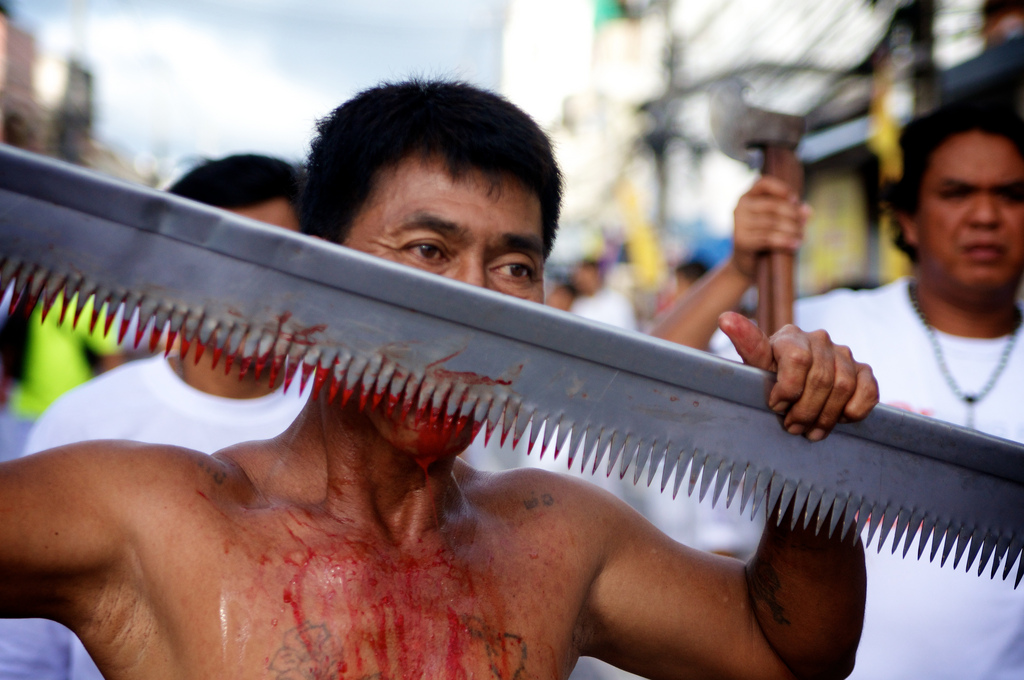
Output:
(311, 652)
(533, 501)
(216, 474)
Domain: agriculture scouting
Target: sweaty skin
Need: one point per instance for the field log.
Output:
(328, 553)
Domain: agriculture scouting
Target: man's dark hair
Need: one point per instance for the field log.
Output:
(239, 181)
(924, 135)
(691, 270)
(466, 127)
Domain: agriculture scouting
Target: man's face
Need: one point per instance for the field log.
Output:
(969, 224)
(277, 211)
(469, 229)
(587, 279)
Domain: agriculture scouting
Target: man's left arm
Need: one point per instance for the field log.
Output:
(796, 609)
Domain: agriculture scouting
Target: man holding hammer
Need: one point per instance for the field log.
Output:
(943, 343)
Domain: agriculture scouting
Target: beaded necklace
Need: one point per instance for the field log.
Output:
(970, 400)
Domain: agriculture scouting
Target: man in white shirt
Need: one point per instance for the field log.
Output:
(943, 343)
(178, 401)
(598, 302)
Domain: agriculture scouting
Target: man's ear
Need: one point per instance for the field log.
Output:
(908, 225)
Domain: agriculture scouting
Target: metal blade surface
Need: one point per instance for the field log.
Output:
(397, 338)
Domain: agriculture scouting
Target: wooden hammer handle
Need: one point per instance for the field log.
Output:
(775, 268)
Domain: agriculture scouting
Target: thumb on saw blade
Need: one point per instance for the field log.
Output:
(750, 341)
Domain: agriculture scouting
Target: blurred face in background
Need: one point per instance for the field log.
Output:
(587, 279)
(969, 225)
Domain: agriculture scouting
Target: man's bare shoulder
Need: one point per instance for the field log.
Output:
(131, 470)
(532, 492)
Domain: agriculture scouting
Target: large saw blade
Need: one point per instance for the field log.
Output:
(402, 338)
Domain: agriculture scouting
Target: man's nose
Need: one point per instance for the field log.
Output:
(985, 210)
(470, 270)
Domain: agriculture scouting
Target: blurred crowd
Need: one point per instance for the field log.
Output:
(943, 343)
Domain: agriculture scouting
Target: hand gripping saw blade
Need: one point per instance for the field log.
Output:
(400, 339)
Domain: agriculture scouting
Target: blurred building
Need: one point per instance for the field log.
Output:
(22, 120)
(852, 147)
(46, 104)
(623, 89)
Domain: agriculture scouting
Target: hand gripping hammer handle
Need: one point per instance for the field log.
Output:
(775, 268)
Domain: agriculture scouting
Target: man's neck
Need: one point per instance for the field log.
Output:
(333, 457)
(959, 311)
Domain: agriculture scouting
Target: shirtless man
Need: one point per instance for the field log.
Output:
(328, 553)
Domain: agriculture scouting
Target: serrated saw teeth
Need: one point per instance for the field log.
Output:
(564, 429)
(82, 297)
(1013, 554)
(696, 471)
(438, 400)
(34, 287)
(977, 538)
(829, 503)
(709, 473)
(840, 508)
(290, 367)
(319, 378)
(656, 456)
(48, 302)
(987, 547)
(412, 388)
(381, 385)
(537, 425)
(396, 388)
(626, 455)
(734, 484)
(509, 415)
(171, 337)
(308, 367)
(963, 539)
(522, 421)
(9, 267)
(722, 478)
(643, 454)
(902, 522)
(948, 544)
(669, 455)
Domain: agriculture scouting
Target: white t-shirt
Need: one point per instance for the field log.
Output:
(607, 306)
(923, 621)
(142, 401)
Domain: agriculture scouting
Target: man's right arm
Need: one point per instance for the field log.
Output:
(60, 530)
(768, 217)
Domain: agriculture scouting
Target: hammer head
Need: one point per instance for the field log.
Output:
(739, 128)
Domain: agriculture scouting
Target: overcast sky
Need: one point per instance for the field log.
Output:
(211, 77)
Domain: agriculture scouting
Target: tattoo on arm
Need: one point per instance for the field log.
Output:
(764, 584)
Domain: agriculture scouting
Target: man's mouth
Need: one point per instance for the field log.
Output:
(984, 252)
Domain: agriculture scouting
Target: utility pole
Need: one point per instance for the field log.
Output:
(926, 83)
(74, 117)
(662, 113)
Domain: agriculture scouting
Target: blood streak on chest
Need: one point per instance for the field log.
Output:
(362, 611)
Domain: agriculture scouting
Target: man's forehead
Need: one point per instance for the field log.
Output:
(495, 184)
(944, 160)
(423, 191)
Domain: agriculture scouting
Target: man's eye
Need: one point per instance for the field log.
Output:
(1013, 193)
(427, 251)
(955, 192)
(520, 271)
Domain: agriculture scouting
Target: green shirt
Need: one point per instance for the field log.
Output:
(55, 357)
